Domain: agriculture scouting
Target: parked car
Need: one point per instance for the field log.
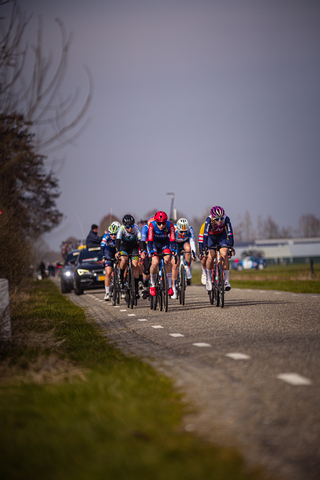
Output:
(89, 272)
(249, 262)
(66, 272)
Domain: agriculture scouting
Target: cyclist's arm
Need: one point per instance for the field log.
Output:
(229, 232)
(206, 233)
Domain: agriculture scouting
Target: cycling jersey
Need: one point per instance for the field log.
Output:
(108, 248)
(126, 237)
(160, 238)
(185, 237)
(220, 234)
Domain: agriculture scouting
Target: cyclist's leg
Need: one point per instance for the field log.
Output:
(187, 249)
(107, 280)
(175, 272)
(167, 261)
(136, 269)
(153, 271)
(209, 262)
(223, 242)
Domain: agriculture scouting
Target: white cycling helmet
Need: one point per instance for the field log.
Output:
(182, 224)
(114, 228)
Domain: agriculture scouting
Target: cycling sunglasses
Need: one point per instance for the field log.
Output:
(161, 223)
(129, 226)
(219, 219)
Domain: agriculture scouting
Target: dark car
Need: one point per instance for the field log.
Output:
(66, 271)
(89, 270)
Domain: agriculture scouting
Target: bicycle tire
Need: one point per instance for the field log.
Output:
(164, 290)
(182, 274)
(128, 278)
(221, 284)
(115, 285)
(131, 286)
(151, 302)
(215, 285)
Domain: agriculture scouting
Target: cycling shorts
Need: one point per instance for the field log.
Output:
(127, 249)
(109, 254)
(214, 240)
(159, 247)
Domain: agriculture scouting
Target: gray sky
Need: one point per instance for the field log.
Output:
(216, 101)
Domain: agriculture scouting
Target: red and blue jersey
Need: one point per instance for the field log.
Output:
(157, 236)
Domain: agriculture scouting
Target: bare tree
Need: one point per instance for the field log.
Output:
(36, 91)
(309, 226)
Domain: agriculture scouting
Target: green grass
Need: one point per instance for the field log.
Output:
(289, 278)
(74, 407)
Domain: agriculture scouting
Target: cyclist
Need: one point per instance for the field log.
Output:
(146, 261)
(108, 251)
(185, 239)
(218, 231)
(127, 242)
(161, 239)
(202, 256)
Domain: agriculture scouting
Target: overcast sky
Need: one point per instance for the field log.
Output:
(216, 101)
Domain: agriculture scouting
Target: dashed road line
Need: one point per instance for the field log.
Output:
(238, 356)
(294, 379)
(131, 314)
(156, 326)
(142, 319)
(176, 335)
(201, 344)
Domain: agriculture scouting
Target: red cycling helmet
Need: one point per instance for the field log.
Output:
(161, 217)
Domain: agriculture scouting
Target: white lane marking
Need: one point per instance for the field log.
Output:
(142, 319)
(201, 344)
(176, 335)
(156, 326)
(116, 306)
(123, 310)
(294, 379)
(238, 356)
(131, 314)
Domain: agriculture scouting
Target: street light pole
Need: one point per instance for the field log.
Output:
(171, 208)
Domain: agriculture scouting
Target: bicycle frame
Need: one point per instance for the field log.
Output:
(216, 295)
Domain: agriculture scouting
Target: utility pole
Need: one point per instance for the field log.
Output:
(171, 208)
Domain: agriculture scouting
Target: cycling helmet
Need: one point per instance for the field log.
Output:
(182, 224)
(161, 217)
(113, 228)
(128, 220)
(217, 212)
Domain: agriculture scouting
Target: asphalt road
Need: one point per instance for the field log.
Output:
(251, 369)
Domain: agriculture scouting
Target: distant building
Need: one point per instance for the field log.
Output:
(283, 250)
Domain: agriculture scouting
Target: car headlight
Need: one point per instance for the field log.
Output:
(67, 273)
(82, 272)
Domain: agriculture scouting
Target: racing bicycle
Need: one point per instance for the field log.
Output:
(161, 297)
(181, 282)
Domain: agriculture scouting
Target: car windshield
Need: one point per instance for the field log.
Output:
(90, 256)
(70, 258)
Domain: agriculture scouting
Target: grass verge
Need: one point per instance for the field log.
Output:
(288, 278)
(73, 407)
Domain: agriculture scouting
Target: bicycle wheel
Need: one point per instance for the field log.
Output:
(151, 302)
(215, 285)
(115, 285)
(164, 289)
(131, 288)
(221, 284)
(127, 288)
(182, 292)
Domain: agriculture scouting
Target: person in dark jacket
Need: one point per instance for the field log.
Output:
(93, 240)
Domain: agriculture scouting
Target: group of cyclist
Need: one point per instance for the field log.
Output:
(161, 238)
